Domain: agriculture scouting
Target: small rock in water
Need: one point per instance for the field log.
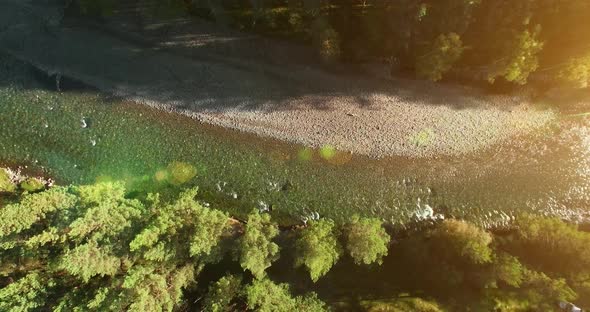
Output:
(273, 186)
(263, 207)
(220, 185)
(315, 215)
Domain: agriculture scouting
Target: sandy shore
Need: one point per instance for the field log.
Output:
(296, 104)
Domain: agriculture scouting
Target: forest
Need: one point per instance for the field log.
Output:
(99, 247)
(540, 43)
(114, 196)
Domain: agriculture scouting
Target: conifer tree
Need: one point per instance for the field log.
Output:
(318, 248)
(257, 249)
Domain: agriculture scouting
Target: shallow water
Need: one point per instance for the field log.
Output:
(83, 136)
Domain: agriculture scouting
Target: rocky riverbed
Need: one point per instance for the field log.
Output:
(307, 106)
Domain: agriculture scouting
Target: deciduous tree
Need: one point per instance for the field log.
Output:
(367, 241)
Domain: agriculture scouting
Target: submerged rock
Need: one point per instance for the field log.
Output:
(32, 185)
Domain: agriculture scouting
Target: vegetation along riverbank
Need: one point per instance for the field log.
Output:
(299, 104)
(100, 247)
(80, 135)
(294, 155)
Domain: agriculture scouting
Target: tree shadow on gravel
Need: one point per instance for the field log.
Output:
(211, 72)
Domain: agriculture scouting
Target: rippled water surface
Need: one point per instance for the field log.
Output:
(83, 136)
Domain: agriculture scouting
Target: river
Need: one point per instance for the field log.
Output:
(83, 136)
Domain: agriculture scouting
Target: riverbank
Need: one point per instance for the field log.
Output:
(296, 104)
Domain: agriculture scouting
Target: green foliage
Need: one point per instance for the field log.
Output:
(577, 72)
(310, 302)
(153, 288)
(509, 270)
(538, 292)
(222, 294)
(210, 226)
(88, 260)
(444, 52)
(99, 193)
(318, 248)
(33, 208)
(553, 245)
(521, 58)
(265, 296)
(482, 38)
(257, 249)
(367, 241)
(27, 294)
(460, 239)
(206, 227)
(402, 305)
(90, 242)
(543, 291)
(108, 213)
(93, 248)
(6, 183)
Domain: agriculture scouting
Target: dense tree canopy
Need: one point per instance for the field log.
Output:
(265, 296)
(403, 305)
(222, 294)
(482, 40)
(257, 249)
(367, 241)
(318, 248)
(95, 247)
(459, 239)
(90, 247)
(445, 51)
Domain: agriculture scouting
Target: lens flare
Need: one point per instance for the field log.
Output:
(305, 154)
(327, 152)
(181, 172)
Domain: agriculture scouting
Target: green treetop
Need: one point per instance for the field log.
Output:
(459, 239)
(91, 248)
(318, 248)
(265, 296)
(257, 249)
(366, 240)
(444, 52)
